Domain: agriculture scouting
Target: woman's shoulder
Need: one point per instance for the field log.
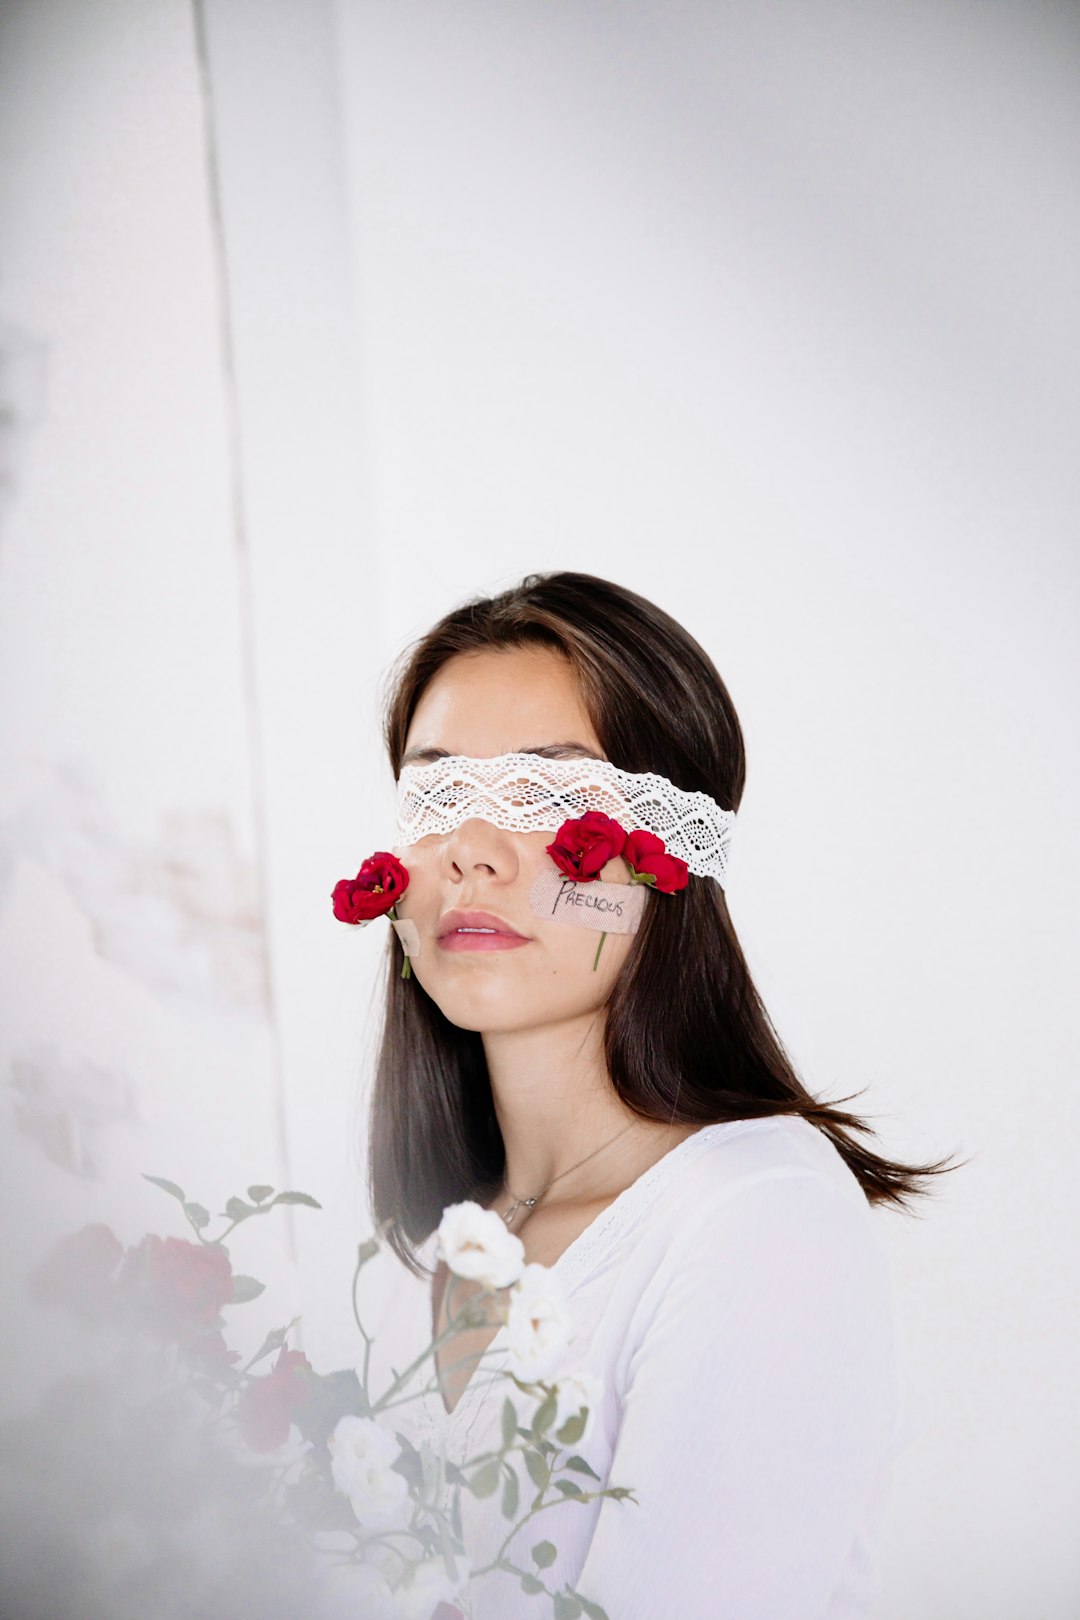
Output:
(779, 1147)
(724, 1161)
(768, 1188)
(764, 1214)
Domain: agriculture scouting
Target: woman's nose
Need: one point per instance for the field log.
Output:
(478, 845)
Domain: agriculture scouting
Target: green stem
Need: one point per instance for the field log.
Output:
(406, 966)
(599, 948)
(368, 1341)
(402, 1379)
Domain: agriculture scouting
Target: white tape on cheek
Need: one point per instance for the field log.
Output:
(611, 908)
(408, 933)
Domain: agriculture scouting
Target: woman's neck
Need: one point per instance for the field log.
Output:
(556, 1106)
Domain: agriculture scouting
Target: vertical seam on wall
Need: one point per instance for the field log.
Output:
(242, 554)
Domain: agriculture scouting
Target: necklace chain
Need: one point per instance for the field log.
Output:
(530, 1203)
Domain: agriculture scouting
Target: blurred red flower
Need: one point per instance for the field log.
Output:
(185, 1284)
(79, 1271)
(266, 1407)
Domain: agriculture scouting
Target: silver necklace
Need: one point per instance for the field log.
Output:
(531, 1203)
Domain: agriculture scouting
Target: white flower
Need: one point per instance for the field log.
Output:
(574, 1393)
(427, 1585)
(538, 1324)
(361, 1453)
(353, 1590)
(475, 1243)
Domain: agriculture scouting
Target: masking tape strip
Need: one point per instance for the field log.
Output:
(408, 933)
(612, 908)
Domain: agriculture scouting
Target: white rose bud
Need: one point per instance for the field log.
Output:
(538, 1324)
(475, 1243)
(361, 1453)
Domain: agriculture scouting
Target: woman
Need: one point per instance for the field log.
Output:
(631, 1113)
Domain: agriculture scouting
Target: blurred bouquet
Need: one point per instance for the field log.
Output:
(175, 1482)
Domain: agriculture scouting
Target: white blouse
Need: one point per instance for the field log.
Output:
(735, 1302)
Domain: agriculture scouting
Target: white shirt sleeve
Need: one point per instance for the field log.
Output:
(758, 1415)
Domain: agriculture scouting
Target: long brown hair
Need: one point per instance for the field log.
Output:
(687, 1037)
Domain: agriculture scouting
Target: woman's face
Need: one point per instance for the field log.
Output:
(504, 701)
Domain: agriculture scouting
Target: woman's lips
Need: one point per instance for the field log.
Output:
(458, 940)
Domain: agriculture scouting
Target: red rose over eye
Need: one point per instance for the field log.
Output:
(582, 848)
(645, 852)
(373, 892)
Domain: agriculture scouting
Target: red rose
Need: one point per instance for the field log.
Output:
(79, 1272)
(210, 1349)
(583, 847)
(266, 1407)
(186, 1284)
(379, 884)
(645, 852)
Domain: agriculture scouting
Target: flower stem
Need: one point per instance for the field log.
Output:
(596, 958)
(406, 966)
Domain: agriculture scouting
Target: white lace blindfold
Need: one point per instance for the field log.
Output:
(527, 793)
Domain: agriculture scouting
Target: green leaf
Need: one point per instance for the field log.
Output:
(245, 1288)
(544, 1554)
(539, 1472)
(509, 1422)
(582, 1466)
(297, 1198)
(329, 1396)
(273, 1341)
(429, 1470)
(317, 1506)
(545, 1415)
(485, 1481)
(566, 1608)
(569, 1487)
(572, 1429)
(237, 1210)
(166, 1186)
(259, 1194)
(529, 1583)
(197, 1215)
(367, 1251)
(593, 1610)
(511, 1494)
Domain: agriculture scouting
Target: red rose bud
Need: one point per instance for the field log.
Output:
(379, 884)
(583, 847)
(265, 1409)
(645, 852)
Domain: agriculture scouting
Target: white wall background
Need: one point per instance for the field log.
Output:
(316, 319)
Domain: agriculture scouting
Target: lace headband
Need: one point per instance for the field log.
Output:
(527, 793)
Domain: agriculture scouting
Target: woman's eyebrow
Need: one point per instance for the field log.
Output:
(562, 750)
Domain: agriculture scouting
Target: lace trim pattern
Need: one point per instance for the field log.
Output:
(527, 793)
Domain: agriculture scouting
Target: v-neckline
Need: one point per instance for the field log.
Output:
(573, 1257)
